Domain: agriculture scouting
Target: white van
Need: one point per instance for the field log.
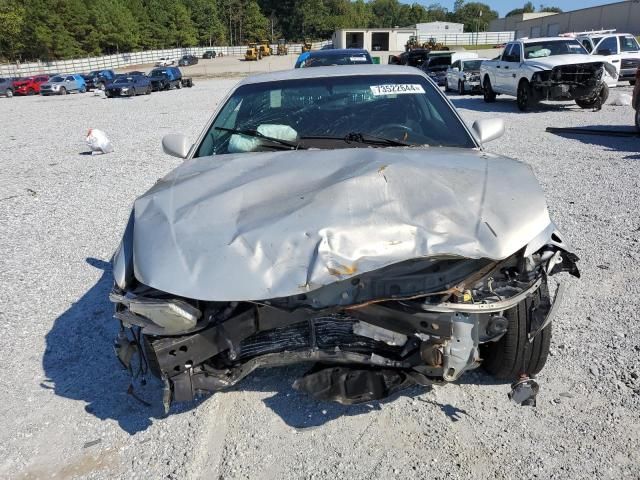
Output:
(621, 49)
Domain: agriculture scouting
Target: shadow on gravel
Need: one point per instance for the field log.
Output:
(613, 143)
(80, 364)
(506, 105)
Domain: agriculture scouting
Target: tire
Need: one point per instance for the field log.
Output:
(460, 88)
(9, 93)
(487, 91)
(133, 92)
(603, 96)
(148, 91)
(446, 86)
(513, 355)
(83, 90)
(523, 98)
(31, 92)
(63, 91)
(638, 117)
(101, 86)
(632, 82)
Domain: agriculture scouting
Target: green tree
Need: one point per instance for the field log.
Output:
(12, 18)
(474, 16)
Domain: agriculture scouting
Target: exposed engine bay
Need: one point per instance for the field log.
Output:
(582, 81)
(420, 321)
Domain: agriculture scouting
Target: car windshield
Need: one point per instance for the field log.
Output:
(550, 48)
(157, 73)
(472, 65)
(57, 79)
(123, 80)
(629, 44)
(335, 112)
(333, 59)
(95, 73)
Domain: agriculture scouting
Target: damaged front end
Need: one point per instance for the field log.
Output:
(581, 82)
(419, 321)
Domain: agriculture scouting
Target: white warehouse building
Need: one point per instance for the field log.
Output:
(373, 39)
(426, 29)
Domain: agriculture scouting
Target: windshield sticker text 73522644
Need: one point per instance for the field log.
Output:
(398, 88)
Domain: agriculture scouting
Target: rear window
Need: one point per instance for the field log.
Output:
(629, 44)
(344, 59)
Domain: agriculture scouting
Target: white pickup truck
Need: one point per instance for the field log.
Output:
(621, 49)
(554, 68)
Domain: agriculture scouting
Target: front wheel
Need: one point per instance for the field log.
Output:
(524, 96)
(513, 355)
(63, 91)
(487, 91)
(83, 89)
(632, 82)
(638, 117)
(599, 99)
(31, 92)
(9, 93)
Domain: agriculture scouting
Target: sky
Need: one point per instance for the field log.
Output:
(504, 6)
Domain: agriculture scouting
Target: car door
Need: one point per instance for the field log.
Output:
(500, 71)
(70, 83)
(453, 75)
(510, 69)
(609, 48)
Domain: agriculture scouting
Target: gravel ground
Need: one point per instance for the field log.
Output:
(63, 402)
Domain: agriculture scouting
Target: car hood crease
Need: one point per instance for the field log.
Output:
(265, 225)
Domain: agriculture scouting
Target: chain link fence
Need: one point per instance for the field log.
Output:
(149, 57)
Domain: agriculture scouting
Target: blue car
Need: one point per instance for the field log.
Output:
(165, 78)
(63, 84)
(327, 58)
(128, 86)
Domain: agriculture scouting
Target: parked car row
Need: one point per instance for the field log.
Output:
(114, 85)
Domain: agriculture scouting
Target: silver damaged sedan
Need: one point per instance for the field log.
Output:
(346, 218)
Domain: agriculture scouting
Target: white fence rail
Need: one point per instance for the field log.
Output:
(81, 65)
(469, 38)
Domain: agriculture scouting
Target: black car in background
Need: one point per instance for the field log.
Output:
(436, 67)
(412, 58)
(209, 54)
(99, 79)
(187, 60)
(128, 86)
(165, 78)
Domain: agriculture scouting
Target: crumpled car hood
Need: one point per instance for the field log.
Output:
(548, 63)
(265, 225)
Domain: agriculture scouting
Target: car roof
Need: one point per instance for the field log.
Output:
(333, 71)
(335, 52)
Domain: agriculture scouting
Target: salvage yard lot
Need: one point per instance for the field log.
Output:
(64, 403)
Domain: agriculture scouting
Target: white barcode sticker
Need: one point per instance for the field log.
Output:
(395, 89)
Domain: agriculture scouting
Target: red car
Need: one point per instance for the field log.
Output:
(29, 85)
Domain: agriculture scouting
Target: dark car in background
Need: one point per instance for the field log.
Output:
(6, 87)
(29, 85)
(436, 68)
(187, 60)
(99, 79)
(165, 78)
(128, 86)
(413, 58)
(327, 58)
(209, 54)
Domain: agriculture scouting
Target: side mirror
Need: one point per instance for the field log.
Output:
(176, 145)
(604, 51)
(488, 129)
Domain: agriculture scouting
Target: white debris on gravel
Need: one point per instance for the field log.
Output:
(63, 400)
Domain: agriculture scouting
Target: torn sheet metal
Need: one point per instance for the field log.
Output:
(265, 225)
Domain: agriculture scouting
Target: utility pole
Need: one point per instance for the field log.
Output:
(478, 26)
